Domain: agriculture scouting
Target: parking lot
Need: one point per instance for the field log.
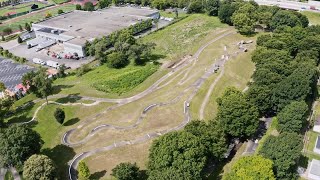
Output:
(11, 73)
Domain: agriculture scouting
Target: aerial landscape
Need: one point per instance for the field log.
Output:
(159, 90)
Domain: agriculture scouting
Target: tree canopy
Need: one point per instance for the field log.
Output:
(284, 150)
(84, 172)
(181, 152)
(251, 167)
(39, 167)
(126, 171)
(17, 144)
(238, 117)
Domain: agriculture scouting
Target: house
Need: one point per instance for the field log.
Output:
(314, 170)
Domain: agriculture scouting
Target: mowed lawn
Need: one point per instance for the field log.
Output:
(35, 17)
(314, 18)
(9, 10)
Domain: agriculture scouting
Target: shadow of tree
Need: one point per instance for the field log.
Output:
(98, 175)
(71, 122)
(71, 98)
(57, 89)
(20, 114)
(303, 161)
(61, 155)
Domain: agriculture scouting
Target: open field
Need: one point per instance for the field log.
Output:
(314, 18)
(9, 10)
(34, 17)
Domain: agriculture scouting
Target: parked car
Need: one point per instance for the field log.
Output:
(53, 64)
(38, 61)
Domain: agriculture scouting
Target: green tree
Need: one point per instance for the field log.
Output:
(39, 83)
(60, 115)
(243, 23)
(126, 171)
(238, 117)
(212, 7)
(182, 152)
(292, 117)
(251, 167)
(60, 11)
(284, 151)
(88, 6)
(78, 7)
(20, 28)
(117, 60)
(17, 144)
(5, 103)
(195, 6)
(103, 4)
(211, 135)
(27, 27)
(284, 18)
(260, 96)
(84, 172)
(62, 70)
(39, 167)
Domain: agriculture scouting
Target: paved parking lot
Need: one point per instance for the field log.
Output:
(11, 73)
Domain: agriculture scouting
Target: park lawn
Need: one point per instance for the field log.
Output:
(35, 17)
(102, 76)
(314, 17)
(20, 8)
(184, 37)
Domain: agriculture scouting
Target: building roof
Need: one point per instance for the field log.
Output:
(315, 167)
(318, 142)
(137, 11)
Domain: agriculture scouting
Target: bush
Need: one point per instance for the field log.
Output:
(88, 6)
(84, 172)
(78, 7)
(83, 70)
(7, 31)
(117, 60)
(60, 11)
(60, 115)
(48, 15)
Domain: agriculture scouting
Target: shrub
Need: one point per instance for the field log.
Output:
(7, 31)
(60, 11)
(60, 115)
(78, 7)
(83, 70)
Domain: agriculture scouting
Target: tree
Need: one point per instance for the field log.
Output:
(39, 167)
(17, 144)
(7, 31)
(260, 96)
(226, 10)
(182, 152)
(60, 115)
(212, 7)
(284, 18)
(243, 23)
(27, 27)
(117, 60)
(126, 171)
(19, 39)
(88, 6)
(60, 11)
(238, 117)
(5, 103)
(211, 135)
(78, 7)
(103, 4)
(62, 70)
(284, 151)
(251, 167)
(39, 83)
(292, 117)
(195, 6)
(84, 172)
(20, 28)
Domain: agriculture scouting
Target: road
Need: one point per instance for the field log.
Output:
(290, 4)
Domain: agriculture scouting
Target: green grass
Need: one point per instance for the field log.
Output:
(60, 1)
(106, 79)
(35, 17)
(271, 131)
(183, 37)
(122, 83)
(314, 18)
(20, 8)
(8, 176)
(172, 14)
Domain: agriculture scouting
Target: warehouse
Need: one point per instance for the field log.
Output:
(75, 28)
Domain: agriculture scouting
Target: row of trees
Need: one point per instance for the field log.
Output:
(126, 48)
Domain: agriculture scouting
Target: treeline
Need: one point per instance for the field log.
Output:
(125, 48)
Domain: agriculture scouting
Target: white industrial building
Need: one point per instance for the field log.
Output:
(75, 28)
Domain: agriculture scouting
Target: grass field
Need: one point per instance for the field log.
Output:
(35, 17)
(314, 18)
(20, 8)
(184, 37)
